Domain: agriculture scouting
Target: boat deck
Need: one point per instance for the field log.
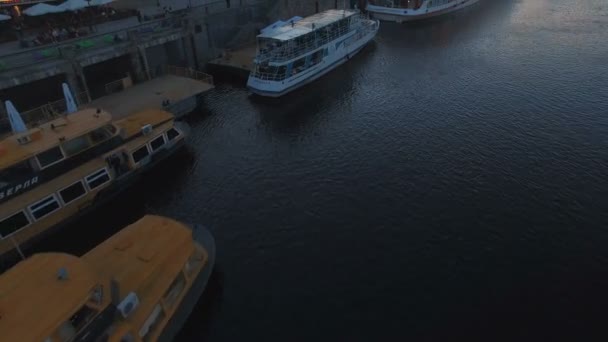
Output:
(150, 95)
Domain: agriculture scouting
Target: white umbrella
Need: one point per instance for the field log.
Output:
(42, 8)
(74, 5)
(17, 124)
(69, 99)
(100, 2)
(4, 17)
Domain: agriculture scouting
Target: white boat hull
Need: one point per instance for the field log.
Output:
(401, 15)
(340, 51)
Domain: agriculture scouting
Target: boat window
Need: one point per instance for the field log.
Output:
(194, 262)
(157, 143)
(82, 317)
(140, 154)
(147, 330)
(98, 178)
(102, 133)
(44, 207)
(96, 297)
(128, 337)
(76, 145)
(49, 157)
(172, 134)
(299, 64)
(66, 332)
(13, 223)
(176, 288)
(15, 172)
(72, 192)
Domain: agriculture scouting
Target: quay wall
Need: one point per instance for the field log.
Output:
(194, 33)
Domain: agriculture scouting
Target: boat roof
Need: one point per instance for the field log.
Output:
(144, 258)
(304, 26)
(34, 301)
(133, 123)
(49, 134)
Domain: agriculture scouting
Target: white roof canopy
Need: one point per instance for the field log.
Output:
(42, 8)
(74, 5)
(304, 26)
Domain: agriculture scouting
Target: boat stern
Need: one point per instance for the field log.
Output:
(266, 88)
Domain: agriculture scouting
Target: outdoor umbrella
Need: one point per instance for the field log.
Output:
(74, 5)
(100, 2)
(42, 8)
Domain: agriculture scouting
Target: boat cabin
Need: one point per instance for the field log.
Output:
(125, 289)
(294, 39)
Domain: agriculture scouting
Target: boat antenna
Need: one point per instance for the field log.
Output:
(17, 247)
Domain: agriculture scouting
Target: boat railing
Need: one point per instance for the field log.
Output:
(268, 76)
(190, 73)
(291, 49)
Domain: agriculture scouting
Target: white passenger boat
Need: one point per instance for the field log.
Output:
(410, 10)
(300, 51)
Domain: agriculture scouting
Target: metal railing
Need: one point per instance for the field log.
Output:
(73, 47)
(44, 113)
(190, 73)
(294, 48)
(176, 21)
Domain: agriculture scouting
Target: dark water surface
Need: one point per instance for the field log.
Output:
(448, 182)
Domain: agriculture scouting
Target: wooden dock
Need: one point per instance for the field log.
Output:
(181, 93)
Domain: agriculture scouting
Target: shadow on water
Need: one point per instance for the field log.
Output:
(206, 310)
(88, 231)
(300, 108)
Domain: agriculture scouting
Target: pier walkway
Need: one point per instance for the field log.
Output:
(180, 92)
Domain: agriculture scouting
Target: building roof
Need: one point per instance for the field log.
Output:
(304, 26)
(34, 301)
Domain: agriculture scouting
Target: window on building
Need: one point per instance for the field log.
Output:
(97, 178)
(44, 207)
(157, 143)
(140, 154)
(49, 157)
(13, 223)
(72, 192)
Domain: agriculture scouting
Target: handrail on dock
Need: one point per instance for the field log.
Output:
(44, 113)
(190, 73)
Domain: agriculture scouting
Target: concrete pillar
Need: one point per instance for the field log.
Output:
(77, 72)
(139, 64)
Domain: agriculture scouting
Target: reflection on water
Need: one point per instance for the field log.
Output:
(447, 182)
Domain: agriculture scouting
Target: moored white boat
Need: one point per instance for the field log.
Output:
(299, 52)
(410, 10)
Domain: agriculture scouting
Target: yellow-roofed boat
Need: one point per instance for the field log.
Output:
(56, 171)
(139, 285)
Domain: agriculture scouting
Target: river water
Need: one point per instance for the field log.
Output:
(448, 182)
